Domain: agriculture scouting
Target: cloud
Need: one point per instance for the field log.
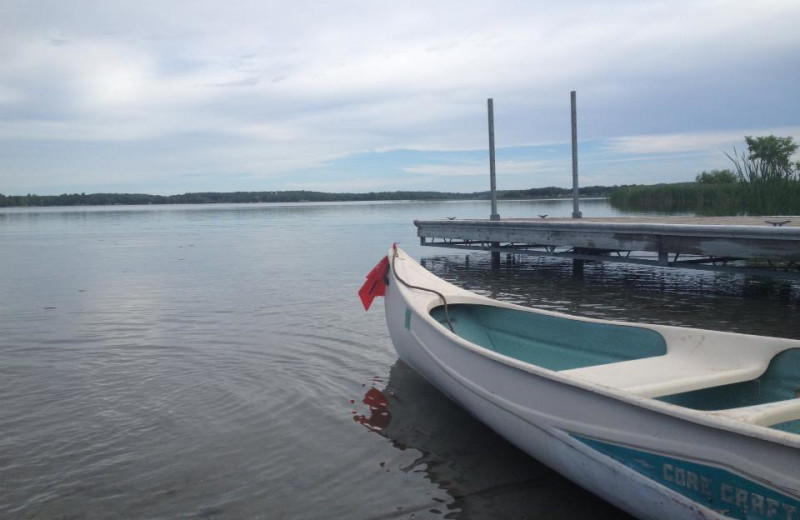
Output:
(692, 142)
(482, 169)
(273, 88)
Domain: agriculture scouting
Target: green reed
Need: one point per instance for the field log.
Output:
(689, 197)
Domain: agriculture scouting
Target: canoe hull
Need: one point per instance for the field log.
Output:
(650, 464)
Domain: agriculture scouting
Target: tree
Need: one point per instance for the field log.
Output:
(716, 177)
(769, 160)
(776, 152)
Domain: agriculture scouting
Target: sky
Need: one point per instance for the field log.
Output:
(183, 96)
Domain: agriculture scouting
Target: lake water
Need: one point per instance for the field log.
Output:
(215, 362)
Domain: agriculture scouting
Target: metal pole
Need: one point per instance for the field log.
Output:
(575, 210)
(492, 181)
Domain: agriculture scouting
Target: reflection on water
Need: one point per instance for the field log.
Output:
(700, 299)
(484, 476)
(379, 414)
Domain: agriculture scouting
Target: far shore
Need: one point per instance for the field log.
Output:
(139, 199)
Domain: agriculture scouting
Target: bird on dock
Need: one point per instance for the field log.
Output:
(777, 223)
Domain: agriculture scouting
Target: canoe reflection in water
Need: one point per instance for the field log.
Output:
(486, 476)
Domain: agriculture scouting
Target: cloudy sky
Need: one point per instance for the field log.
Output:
(181, 96)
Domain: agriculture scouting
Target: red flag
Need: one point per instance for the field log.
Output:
(374, 286)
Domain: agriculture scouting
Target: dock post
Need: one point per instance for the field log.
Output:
(492, 176)
(574, 105)
(577, 268)
(492, 180)
(577, 265)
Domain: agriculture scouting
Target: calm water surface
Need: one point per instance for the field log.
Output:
(215, 362)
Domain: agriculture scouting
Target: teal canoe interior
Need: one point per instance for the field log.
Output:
(788, 426)
(780, 382)
(550, 342)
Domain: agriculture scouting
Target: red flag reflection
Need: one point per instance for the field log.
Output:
(378, 407)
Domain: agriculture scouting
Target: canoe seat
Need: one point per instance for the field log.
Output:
(687, 379)
(780, 415)
(780, 381)
(665, 375)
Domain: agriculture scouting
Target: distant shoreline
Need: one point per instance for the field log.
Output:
(248, 197)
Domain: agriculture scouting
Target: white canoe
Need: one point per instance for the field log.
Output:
(664, 422)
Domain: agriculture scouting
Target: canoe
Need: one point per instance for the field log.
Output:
(663, 422)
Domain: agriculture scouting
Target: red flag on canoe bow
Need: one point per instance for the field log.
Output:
(375, 284)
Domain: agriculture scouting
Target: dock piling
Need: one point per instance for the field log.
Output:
(577, 268)
(492, 174)
(492, 179)
(577, 265)
(574, 106)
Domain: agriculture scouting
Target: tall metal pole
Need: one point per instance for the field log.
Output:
(575, 210)
(492, 181)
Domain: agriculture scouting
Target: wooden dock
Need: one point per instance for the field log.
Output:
(765, 246)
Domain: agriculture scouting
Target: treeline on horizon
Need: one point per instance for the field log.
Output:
(242, 197)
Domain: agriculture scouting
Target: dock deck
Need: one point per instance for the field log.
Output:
(766, 246)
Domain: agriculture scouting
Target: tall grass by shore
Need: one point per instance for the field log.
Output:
(752, 198)
(765, 182)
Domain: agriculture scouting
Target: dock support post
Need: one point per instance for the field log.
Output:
(578, 263)
(574, 106)
(492, 180)
(577, 267)
(495, 256)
